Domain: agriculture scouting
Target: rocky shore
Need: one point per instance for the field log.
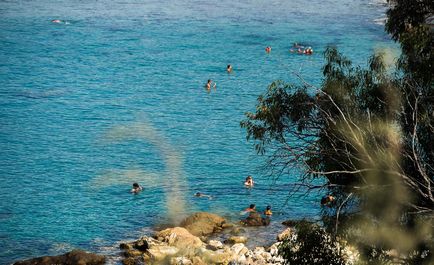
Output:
(192, 242)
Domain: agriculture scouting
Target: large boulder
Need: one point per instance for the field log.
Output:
(236, 239)
(255, 219)
(179, 237)
(214, 245)
(293, 223)
(159, 253)
(286, 234)
(75, 257)
(203, 224)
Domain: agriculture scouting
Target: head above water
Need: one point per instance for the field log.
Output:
(268, 207)
(252, 206)
(136, 185)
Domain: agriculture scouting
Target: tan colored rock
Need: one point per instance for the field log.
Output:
(274, 249)
(237, 230)
(267, 256)
(203, 224)
(158, 253)
(180, 261)
(214, 245)
(132, 253)
(284, 235)
(227, 225)
(198, 261)
(130, 261)
(239, 249)
(217, 257)
(179, 237)
(236, 239)
(255, 219)
(125, 246)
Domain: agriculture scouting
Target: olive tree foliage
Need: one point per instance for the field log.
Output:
(412, 24)
(368, 132)
(312, 245)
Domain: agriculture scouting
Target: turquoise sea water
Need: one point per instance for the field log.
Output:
(114, 95)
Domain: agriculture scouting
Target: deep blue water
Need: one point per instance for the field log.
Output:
(114, 95)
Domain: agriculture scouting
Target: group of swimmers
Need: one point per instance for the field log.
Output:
(252, 209)
(296, 48)
(300, 49)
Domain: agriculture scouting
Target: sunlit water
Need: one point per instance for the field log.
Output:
(114, 95)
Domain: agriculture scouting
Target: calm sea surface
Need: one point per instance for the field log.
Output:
(114, 95)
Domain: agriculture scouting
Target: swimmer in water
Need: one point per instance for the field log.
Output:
(268, 49)
(296, 45)
(251, 208)
(200, 194)
(209, 84)
(327, 200)
(309, 51)
(267, 211)
(249, 181)
(136, 188)
(56, 21)
(229, 68)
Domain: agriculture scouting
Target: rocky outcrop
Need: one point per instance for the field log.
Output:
(179, 237)
(236, 239)
(286, 234)
(75, 257)
(204, 224)
(164, 249)
(255, 219)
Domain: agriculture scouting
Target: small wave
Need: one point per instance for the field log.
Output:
(380, 21)
(61, 247)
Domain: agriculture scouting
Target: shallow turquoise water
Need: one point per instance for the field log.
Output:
(115, 95)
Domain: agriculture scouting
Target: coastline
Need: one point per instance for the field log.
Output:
(202, 238)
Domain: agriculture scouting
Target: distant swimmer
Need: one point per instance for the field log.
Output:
(308, 51)
(296, 45)
(56, 21)
(268, 49)
(200, 194)
(267, 211)
(327, 200)
(249, 181)
(136, 188)
(210, 84)
(229, 68)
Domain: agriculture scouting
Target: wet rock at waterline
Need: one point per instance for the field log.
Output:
(75, 257)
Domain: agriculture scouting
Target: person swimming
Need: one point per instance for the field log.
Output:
(267, 211)
(229, 68)
(308, 51)
(136, 188)
(297, 46)
(249, 181)
(251, 208)
(200, 194)
(327, 200)
(56, 21)
(209, 83)
(268, 49)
